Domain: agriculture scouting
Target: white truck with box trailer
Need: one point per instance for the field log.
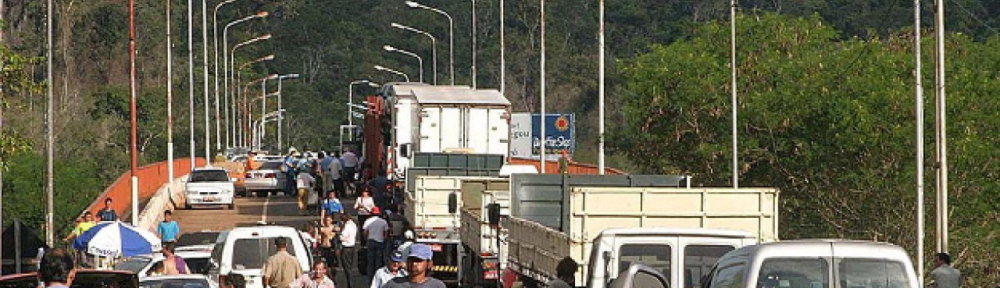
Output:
(606, 223)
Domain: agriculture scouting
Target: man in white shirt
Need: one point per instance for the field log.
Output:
(348, 239)
(305, 183)
(350, 162)
(331, 174)
(376, 230)
(391, 271)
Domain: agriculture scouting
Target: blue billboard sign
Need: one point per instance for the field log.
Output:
(559, 134)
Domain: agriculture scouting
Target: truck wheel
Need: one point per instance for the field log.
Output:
(231, 206)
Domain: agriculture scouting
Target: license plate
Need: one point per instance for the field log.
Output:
(490, 275)
(208, 198)
(437, 248)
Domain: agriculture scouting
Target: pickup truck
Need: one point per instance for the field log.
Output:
(606, 223)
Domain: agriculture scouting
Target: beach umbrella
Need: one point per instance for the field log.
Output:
(117, 239)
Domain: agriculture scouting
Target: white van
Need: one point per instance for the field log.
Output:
(244, 251)
(815, 264)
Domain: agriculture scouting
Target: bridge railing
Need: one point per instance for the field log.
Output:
(151, 177)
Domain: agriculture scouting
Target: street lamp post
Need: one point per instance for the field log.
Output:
(433, 47)
(225, 47)
(404, 52)
(233, 53)
(215, 40)
(263, 104)
(263, 110)
(246, 104)
(240, 133)
(382, 68)
(451, 35)
(350, 98)
(280, 120)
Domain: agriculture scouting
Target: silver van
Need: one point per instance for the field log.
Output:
(814, 264)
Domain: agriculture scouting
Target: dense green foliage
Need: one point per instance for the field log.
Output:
(828, 121)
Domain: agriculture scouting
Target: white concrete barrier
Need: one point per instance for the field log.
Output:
(152, 214)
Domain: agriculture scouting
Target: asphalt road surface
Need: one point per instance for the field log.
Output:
(276, 209)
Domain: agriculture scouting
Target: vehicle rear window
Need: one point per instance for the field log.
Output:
(134, 264)
(197, 238)
(871, 273)
(209, 176)
(175, 283)
(270, 165)
(698, 261)
(794, 273)
(198, 265)
(252, 253)
(656, 256)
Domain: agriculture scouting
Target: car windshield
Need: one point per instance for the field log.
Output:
(656, 256)
(174, 283)
(254, 252)
(134, 264)
(270, 165)
(209, 176)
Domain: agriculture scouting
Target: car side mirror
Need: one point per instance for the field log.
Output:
(452, 203)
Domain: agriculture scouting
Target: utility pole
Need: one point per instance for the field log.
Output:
(919, 91)
(941, 127)
(600, 85)
(473, 44)
(204, 65)
(190, 44)
(49, 191)
(170, 105)
(541, 142)
(132, 95)
(503, 64)
(732, 63)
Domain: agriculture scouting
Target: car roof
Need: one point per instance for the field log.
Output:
(700, 232)
(179, 276)
(269, 229)
(841, 248)
(209, 169)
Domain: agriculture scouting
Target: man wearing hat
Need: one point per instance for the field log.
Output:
(418, 264)
(391, 271)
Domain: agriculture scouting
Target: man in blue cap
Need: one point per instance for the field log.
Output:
(391, 271)
(418, 264)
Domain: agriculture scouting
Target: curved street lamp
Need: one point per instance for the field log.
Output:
(233, 52)
(382, 68)
(246, 104)
(404, 52)
(225, 48)
(350, 97)
(237, 95)
(433, 47)
(451, 35)
(280, 78)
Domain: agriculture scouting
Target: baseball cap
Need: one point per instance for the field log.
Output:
(396, 256)
(421, 251)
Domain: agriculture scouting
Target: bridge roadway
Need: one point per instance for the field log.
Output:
(276, 209)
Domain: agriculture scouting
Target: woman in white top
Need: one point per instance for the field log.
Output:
(364, 205)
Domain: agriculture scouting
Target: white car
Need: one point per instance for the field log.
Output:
(177, 281)
(197, 262)
(244, 250)
(209, 186)
(266, 178)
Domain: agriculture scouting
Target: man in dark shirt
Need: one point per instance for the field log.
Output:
(107, 214)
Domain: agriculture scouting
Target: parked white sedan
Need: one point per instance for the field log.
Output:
(209, 186)
(265, 179)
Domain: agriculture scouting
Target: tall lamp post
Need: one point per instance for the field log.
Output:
(233, 52)
(242, 118)
(263, 104)
(263, 113)
(280, 120)
(382, 68)
(433, 47)
(215, 70)
(350, 98)
(225, 47)
(451, 35)
(411, 54)
(246, 105)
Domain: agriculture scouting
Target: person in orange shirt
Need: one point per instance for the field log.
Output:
(251, 164)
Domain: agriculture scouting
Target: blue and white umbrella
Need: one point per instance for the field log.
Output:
(116, 239)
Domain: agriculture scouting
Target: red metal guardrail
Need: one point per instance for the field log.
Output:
(575, 168)
(151, 178)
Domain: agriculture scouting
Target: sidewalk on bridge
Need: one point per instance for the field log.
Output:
(168, 197)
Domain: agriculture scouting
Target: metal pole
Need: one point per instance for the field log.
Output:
(49, 221)
(350, 104)
(230, 139)
(263, 109)
(919, 91)
(732, 65)
(541, 142)
(132, 99)
(170, 105)
(942, 127)
(473, 44)
(280, 116)
(600, 64)
(204, 58)
(451, 46)
(190, 44)
(503, 64)
(215, 70)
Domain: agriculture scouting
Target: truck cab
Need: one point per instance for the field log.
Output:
(683, 256)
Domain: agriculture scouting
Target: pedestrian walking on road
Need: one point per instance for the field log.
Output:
(281, 268)
(315, 278)
(391, 271)
(168, 229)
(335, 170)
(348, 243)
(376, 230)
(945, 276)
(350, 164)
(380, 188)
(326, 179)
(57, 269)
(331, 206)
(84, 223)
(107, 214)
(305, 183)
(565, 274)
(418, 265)
(327, 232)
(289, 167)
(364, 205)
(173, 264)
